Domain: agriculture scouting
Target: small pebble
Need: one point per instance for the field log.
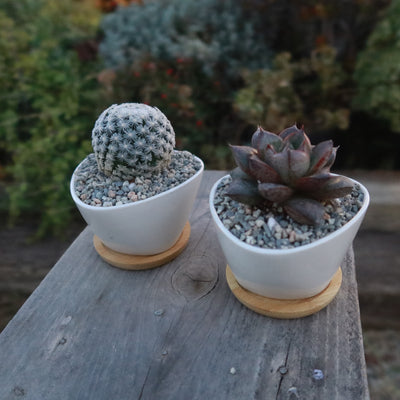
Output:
(132, 196)
(271, 224)
(293, 390)
(318, 374)
(259, 222)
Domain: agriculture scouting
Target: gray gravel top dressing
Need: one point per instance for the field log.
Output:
(273, 228)
(96, 189)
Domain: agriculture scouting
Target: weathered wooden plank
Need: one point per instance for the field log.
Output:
(91, 331)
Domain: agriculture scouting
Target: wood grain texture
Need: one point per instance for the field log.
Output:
(91, 331)
(286, 309)
(135, 262)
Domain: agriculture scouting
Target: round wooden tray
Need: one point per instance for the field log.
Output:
(134, 262)
(284, 309)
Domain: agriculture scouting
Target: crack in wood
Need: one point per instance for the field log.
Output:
(144, 383)
(283, 365)
(197, 279)
(193, 288)
(212, 288)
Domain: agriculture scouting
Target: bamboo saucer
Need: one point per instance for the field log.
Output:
(137, 262)
(284, 309)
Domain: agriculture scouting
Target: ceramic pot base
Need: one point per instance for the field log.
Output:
(136, 262)
(284, 309)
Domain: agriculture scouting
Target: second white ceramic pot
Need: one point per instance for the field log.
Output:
(146, 227)
(294, 273)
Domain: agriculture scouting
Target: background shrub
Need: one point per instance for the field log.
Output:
(309, 91)
(185, 57)
(48, 103)
(210, 32)
(377, 72)
(299, 26)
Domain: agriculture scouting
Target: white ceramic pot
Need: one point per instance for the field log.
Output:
(294, 273)
(145, 227)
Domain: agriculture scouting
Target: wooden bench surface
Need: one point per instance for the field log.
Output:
(92, 331)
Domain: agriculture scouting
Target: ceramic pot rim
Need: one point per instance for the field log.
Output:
(305, 247)
(108, 209)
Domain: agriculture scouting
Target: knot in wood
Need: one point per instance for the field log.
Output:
(19, 391)
(197, 279)
(283, 370)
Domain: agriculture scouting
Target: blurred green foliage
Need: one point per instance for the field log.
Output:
(310, 92)
(377, 72)
(299, 26)
(215, 68)
(48, 102)
(213, 33)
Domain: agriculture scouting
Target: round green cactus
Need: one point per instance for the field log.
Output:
(132, 139)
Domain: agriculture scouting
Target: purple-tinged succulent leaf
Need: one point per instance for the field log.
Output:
(262, 171)
(244, 191)
(238, 173)
(262, 138)
(306, 145)
(280, 163)
(304, 210)
(313, 183)
(299, 163)
(241, 155)
(266, 154)
(330, 160)
(289, 131)
(336, 186)
(294, 140)
(275, 192)
(320, 155)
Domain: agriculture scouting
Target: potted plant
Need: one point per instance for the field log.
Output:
(285, 222)
(135, 191)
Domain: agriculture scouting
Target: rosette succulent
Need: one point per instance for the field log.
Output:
(287, 169)
(132, 139)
